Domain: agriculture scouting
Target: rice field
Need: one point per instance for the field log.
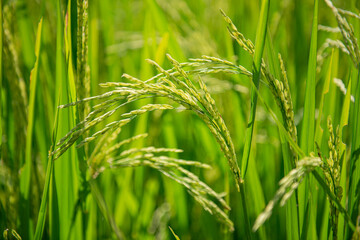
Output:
(164, 119)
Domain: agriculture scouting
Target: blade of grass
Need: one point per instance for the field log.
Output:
(308, 126)
(63, 184)
(318, 130)
(77, 58)
(324, 230)
(324, 106)
(292, 216)
(255, 190)
(259, 49)
(305, 227)
(298, 38)
(92, 229)
(331, 105)
(26, 33)
(45, 196)
(344, 120)
(47, 186)
(25, 183)
(354, 178)
(25, 178)
(76, 178)
(308, 133)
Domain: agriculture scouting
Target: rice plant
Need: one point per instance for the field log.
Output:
(176, 119)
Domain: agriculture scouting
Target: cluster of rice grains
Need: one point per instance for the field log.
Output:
(347, 32)
(83, 70)
(331, 169)
(182, 92)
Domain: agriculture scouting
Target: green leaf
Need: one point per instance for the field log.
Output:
(308, 125)
(47, 186)
(25, 177)
(307, 132)
(344, 120)
(319, 131)
(259, 49)
(354, 178)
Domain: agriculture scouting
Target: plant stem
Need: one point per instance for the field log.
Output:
(246, 217)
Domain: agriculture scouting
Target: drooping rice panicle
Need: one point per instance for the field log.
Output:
(340, 84)
(348, 13)
(323, 54)
(175, 85)
(328, 29)
(287, 187)
(239, 37)
(198, 189)
(347, 32)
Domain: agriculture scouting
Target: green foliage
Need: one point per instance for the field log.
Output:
(97, 143)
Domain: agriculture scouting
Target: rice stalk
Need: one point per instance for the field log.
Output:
(331, 168)
(83, 70)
